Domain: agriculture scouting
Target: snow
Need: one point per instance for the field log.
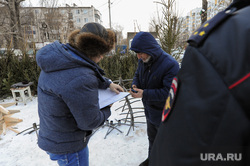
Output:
(115, 149)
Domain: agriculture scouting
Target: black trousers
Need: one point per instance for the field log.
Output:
(151, 131)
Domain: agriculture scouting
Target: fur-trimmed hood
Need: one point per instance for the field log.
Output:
(92, 40)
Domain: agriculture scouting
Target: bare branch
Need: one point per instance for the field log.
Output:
(19, 1)
(3, 3)
(168, 26)
(162, 3)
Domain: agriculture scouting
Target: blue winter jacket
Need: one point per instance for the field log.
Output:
(154, 77)
(68, 98)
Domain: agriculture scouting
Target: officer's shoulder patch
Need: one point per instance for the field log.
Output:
(170, 99)
(202, 33)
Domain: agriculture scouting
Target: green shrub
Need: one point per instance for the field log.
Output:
(119, 66)
(24, 68)
(16, 69)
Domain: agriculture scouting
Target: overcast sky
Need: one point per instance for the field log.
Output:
(128, 13)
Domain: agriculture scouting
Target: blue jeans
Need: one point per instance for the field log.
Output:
(80, 158)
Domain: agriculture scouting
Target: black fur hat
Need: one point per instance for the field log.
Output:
(93, 39)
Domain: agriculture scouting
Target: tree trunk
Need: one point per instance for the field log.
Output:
(19, 29)
(14, 22)
(13, 26)
(204, 11)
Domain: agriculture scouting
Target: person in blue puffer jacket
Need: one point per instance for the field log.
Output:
(152, 80)
(68, 86)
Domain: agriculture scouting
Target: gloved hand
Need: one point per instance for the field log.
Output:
(116, 88)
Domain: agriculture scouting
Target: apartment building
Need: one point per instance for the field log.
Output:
(193, 19)
(41, 25)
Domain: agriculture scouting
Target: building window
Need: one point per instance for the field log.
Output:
(78, 20)
(77, 11)
(86, 20)
(85, 11)
(70, 15)
(97, 16)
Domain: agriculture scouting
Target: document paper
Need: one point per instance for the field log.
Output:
(107, 97)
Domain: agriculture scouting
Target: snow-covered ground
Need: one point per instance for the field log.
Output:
(116, 149)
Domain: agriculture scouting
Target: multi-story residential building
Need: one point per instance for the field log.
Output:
(43, 25)
(193, 19)
(215, 6)
(190, 23)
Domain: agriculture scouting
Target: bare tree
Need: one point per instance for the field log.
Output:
(12, 8)
(4, 26)
(168, 26)
(51, 20)
(118, 31)
(48, 3)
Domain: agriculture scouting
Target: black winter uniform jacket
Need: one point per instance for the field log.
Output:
(209, 121)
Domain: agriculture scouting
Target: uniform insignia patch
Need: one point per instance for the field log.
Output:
(170, 99)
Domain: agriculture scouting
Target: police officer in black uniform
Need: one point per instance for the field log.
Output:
(206, 119)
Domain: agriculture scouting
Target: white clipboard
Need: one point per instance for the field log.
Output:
(107, 97)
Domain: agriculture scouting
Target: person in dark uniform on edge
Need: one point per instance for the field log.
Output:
(152, 80)
(206, 119)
